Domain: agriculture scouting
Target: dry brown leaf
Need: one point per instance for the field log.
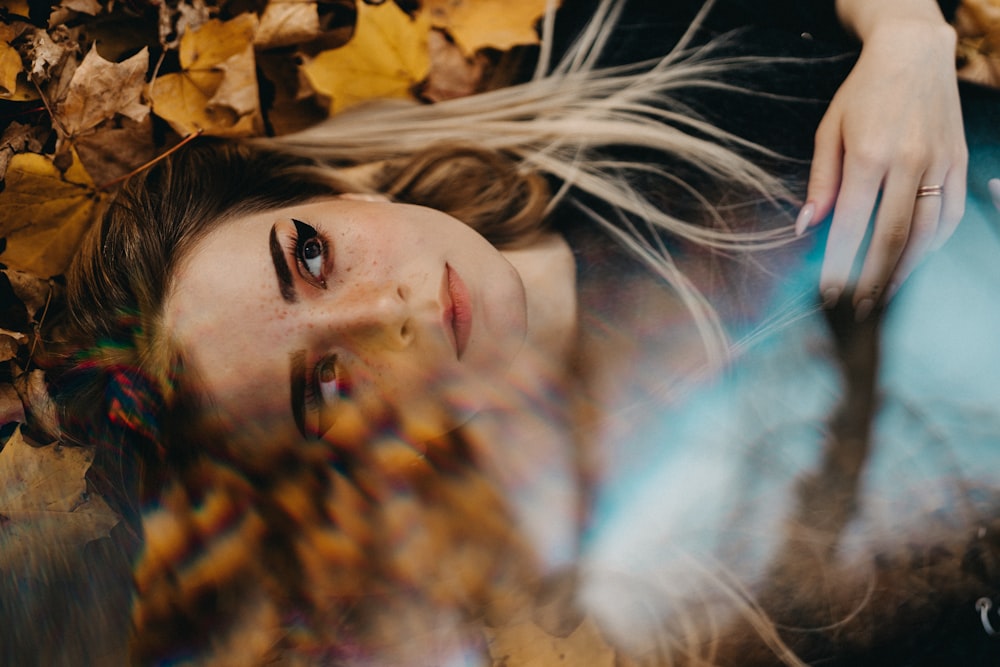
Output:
(289, 111)
(33, 292)
(43, 493)
(386, 57)
(476, 24)
(91, 7)
(17, 138)
(8, 350)
(452, 74)
(37, 403)
(978, 25)
(525, 644)
(100, 89)
(217, 90)
(44, 212)
(116, 147)
(285, 22)
(11, 408)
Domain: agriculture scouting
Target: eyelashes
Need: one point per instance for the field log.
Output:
(327, 387)
(311, 251)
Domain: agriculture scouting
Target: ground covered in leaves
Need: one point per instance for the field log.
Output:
(91, 90)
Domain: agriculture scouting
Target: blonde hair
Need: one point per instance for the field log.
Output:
(561, 124)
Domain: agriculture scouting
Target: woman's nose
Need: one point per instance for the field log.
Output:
(372, 316)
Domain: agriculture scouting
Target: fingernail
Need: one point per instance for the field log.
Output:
(831, 295)
(805, 217)
(863, 310)
(994, 186)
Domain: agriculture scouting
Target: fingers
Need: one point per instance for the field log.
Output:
(994, 186)
(902, 223)
(854, 205)
(824, 175)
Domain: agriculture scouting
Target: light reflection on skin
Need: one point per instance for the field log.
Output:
(369, 320)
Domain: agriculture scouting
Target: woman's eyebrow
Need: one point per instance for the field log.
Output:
(297, 381)
(281, 269)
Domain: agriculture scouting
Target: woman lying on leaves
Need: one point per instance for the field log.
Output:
(440, 384)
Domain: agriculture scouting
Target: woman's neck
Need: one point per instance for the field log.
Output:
(548, 271)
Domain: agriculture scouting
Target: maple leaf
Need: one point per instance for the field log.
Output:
(476, 24)
(216, 91)
(386, 57)
(44, 212)
(43, 494)
(100, 89)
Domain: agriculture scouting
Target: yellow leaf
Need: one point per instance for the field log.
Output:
(216, 91)
(10, 67)
(18, 7)
(475, 24)
(386, 57)
(44, 213)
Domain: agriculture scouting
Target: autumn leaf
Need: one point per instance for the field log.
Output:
(100, 89)
(285, 22)
(44, 213)
(216, 91)
(386, 57)
(10, 67)
(16, 7)
(476, 24)
(43, 492)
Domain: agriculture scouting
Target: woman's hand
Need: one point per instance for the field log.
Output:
(895, 128)
(994, 185)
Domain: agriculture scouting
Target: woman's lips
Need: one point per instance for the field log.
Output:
(458, 310)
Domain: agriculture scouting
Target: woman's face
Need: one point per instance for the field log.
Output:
(343, 317)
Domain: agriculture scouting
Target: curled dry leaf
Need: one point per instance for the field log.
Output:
(498, 24)
(386, 57)
(44, 213)
(216, 91)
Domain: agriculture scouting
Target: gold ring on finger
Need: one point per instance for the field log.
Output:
(930, 191)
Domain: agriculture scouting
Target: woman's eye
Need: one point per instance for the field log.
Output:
(310, 251)
(331, 383)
